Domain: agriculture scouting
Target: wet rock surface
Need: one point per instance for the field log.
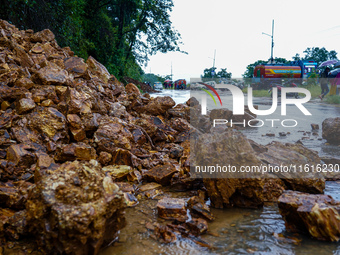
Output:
(330, 130)
(317, 215)
(74, 208)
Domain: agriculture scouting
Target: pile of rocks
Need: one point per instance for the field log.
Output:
(68, 131)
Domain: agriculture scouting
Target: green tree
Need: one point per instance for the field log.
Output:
(211, 73)
(223, 73)
(281, 61)
(296, 57)
(208, 72)
(319, 55)
(152, 78)
(121, 34)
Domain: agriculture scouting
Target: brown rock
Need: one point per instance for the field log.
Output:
(222, 113)
(159, 105)
(24, 83)
(165, 234)
(317, 215)
(48, 121)
(20, 154)
(13, 196)
(47, 103)
(98, 69)
(331, 130)
(161, 174)
(287, 154)
(132, 89)
(135, 176)
(315, 126)
(44, 160)
(192, 102)
(25, 105)
(172, 209)
(5, 105)
(118, 172)
(197, 226)
(75, 65)
(109, 136)
(76, 206)
(37, 48)
(73, 151)
(104, 158)
(78, 134)
(117, 110)
(45, 35)
(180, 111)
(198, 206)
(52, 75)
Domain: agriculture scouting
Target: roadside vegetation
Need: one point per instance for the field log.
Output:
(334, 99)
(257, 93)
(119, 34)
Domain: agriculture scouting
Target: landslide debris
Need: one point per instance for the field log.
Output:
(76, 145)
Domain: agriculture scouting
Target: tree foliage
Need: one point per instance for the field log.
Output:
(121, 34)
(319, 55)
(211, 73)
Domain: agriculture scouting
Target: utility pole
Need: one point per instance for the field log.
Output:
(272, 36)
(214, 59)
(171, 71)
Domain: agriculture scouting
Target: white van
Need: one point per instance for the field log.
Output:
(158, 86)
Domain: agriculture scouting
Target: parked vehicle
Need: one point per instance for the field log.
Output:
(158, 85)
(267, 74)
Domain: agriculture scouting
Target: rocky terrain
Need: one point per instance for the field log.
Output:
(77, 146)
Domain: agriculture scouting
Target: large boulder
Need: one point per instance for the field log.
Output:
(294, 157)
(74, 209)
(236, 171)
(318, 215)
(331, 130)
(227, 189)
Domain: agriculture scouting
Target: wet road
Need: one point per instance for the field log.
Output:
(303, 131)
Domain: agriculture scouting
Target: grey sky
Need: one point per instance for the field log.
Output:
(234, 29)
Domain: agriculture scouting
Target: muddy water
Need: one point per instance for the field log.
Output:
(235, 230)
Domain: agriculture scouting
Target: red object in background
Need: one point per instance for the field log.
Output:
(180, 84)
(272, 71)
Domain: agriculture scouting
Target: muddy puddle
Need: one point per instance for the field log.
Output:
(234, 231)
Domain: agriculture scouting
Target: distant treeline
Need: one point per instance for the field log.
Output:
(120, 34)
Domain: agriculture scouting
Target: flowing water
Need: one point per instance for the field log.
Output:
(236, 230)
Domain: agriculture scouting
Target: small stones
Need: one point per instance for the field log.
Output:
(197, 226)
(117, 172)
(25, 105)
(104, 158)
(172, 209)
(315, 126)
(161, 174)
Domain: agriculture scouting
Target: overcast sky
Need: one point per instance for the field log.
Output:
(234, 29)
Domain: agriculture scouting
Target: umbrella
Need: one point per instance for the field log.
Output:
(334, 72)
(337, 64)
(328, 62)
